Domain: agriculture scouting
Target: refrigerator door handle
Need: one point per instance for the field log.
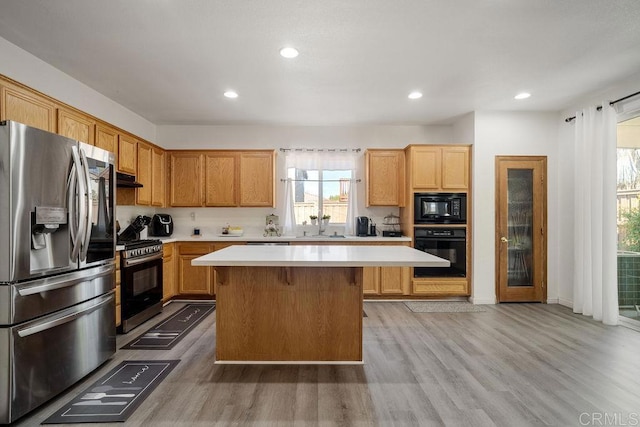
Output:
(71, 202)
(64, 282)
(89, 206)
(82, 192)
(66, 318)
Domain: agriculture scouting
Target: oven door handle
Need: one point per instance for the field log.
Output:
(135, 261)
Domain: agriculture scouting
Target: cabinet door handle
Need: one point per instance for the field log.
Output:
(504, 239)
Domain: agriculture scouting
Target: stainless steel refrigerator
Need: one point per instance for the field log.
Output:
(57, 264)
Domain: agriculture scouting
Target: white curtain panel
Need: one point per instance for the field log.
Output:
(352, 208)
(595, 288)
(289, 211)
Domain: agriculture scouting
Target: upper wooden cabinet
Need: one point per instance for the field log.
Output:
(143, 194)
(185, 181)
(385, 175)
(439, 168)
(257, 178)
(76, 126)
(107, 138)
(157, 177)
(222, 178)
(220, 175)
(25, 106)
(127, 154)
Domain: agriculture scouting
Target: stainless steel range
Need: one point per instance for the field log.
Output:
(141, 282)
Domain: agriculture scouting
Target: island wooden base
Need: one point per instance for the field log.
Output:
(280, 314)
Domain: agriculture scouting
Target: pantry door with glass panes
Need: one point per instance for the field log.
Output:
(521, 228)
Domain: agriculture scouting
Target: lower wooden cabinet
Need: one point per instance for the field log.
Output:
(118, 299)
(386, 281)
(378, 281)
(168, 272)
(194, 280)
(371, 280)
(441, 287)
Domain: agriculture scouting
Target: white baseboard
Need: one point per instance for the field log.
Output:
(566, 302)
(552, 300)
(482, 301)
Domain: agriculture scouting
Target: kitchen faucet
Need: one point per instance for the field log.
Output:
(320, 221)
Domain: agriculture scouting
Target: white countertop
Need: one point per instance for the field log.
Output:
(261, 238)
(320, 256)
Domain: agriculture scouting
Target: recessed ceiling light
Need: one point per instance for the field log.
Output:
(230, 94)
(415, 95)
(288, 52)
(523, 95)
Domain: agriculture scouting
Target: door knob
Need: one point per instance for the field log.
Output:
(504, 239)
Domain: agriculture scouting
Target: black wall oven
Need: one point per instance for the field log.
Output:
(448, 243)
(141, 283)
(440, 208)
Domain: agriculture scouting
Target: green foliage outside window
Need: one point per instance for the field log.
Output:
(630, 235)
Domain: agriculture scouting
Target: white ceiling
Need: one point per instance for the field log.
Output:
(171, 60)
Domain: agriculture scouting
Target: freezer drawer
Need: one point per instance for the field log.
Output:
(20, 302)
(41, 358)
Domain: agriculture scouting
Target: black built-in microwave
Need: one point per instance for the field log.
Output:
(440, 208)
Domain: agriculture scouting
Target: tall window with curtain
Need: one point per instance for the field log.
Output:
(321, 183)
(595, 288)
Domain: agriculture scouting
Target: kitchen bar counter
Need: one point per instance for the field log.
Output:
(296, 304)
(320, 256)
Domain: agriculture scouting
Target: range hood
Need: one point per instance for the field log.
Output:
(126, 181)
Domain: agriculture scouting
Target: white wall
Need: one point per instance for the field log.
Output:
(464, 129)
(25, 68)
(501, 133)
(257, 137)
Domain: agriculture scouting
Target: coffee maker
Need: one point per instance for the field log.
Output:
(362, 226)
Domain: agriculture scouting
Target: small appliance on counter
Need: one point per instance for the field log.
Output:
(365, 227)
(362, 226)
(161, 225)
(391, 224)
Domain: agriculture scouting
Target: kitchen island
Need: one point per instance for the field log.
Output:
(296, 304)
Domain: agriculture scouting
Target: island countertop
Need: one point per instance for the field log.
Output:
(320, 256)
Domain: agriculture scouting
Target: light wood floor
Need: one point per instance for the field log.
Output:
(513, 365)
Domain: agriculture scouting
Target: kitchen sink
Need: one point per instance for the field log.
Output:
(322, 236)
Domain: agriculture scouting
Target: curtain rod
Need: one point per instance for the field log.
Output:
(320, 180)
(624, 98)
(313, 150)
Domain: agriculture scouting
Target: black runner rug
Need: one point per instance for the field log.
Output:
(170, 331)
(115, 396)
